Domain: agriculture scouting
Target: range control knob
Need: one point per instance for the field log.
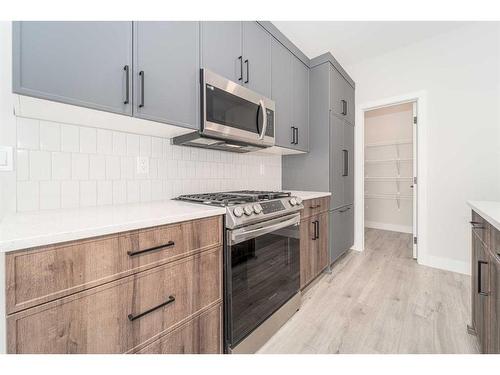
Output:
(293, 201)
(238, 211)
(257, 208)
(299, 200)
(248, 210)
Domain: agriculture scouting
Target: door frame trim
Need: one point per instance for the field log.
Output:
(420, 97)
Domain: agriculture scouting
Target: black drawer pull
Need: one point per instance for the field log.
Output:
(141, 76)
(168, 244)
(317, 229)
(133, 317)
(479, 287)
(476, 224)
(315, 206)
(241, 68)
(127, 84)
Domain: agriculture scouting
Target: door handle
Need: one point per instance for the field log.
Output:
(344, 107)
(317, 229)
(479, 287)
(241, 68)
(314, 236)
(345, 155)
(264, 119)
(248, 71)
(127, 84)
(297, 136)
(293, 135)
(141, 76)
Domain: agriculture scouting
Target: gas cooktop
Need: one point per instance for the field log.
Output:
(246, 207)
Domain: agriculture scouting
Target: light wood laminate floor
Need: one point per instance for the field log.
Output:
(380, 301)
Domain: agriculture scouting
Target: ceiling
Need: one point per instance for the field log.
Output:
(354, 41)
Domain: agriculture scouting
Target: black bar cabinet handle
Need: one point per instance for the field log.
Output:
(476, 224)
(317, 230)
(248, 70)
(168, 244)
(127, 84)
(314, 230)
(345, 155)
(344, 107)
(293, 135)
(241, 68)
(133, 317)
(315, 206)
(479, 287)
(297, 136)
(141, 76)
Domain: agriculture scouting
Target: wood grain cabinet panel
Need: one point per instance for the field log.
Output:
(315, 206)
(314, 256)
(37, 276)
(122, 315)
(201, 335)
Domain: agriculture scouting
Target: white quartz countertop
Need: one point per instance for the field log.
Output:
(24, 230)
(489, 210)
(309, 194)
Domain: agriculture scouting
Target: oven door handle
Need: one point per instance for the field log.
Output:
(264, 119)
(243, 234)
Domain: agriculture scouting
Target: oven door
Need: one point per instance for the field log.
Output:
(233, 112)
(262, 269)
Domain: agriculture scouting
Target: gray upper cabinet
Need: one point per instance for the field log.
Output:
(166, 72)
(300, 117)
(256, 58)
(80, 63)
(221, 50)
(290, 91)
(341, 96)
(281, 93)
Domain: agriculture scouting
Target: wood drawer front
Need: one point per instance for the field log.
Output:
(97, 320)
(201, 335)
(315, 206)
(42, 275)
(481, 227)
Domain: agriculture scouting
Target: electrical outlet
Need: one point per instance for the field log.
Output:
(142, 165)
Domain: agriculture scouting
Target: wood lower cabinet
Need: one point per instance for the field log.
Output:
(485, 284)
(314, 254)
(201, 335)
(171, 307)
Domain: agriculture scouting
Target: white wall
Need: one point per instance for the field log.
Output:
(460, 72)
(58, 165)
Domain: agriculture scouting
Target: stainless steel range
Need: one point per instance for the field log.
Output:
(261, 263)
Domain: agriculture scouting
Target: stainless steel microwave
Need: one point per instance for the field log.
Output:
(233, 118)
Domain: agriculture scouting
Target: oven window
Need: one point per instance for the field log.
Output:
(264, 275)
(228, 109)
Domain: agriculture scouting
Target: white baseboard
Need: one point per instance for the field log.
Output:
(446, 264)
(388, 226)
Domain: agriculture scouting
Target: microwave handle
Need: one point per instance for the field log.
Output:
(243, 235)
(264, 119)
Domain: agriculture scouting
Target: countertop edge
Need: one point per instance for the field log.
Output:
(305, 195)
(86, 233)
(488, 216)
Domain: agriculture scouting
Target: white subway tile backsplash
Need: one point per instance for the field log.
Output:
(23, 165)
(104, 192)
(97, 167)
(70, 194)
(70, 138)
(40, 165)
(88, 193)
(119, 192)
(104, 141)
(61, 165)
(133, 191)
(113, 167)
(88, 140)
(28, 196)
(50, 136)
(119, 143)
(145, 145)
(50, 195)
(79, 166)
(28, 133)
(133, 145)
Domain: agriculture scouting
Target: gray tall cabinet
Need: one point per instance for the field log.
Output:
(329, 165)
